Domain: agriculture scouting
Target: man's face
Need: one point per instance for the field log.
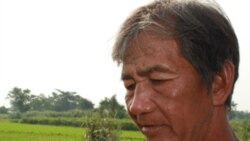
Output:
(165, 95)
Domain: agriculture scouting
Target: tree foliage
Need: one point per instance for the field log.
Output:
(111, 107)
(65, 100)
(19, 99)
(3, 110)
(40, 103)
(22, 101)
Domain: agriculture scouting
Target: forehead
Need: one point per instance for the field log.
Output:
(151, 47)
(148, 52)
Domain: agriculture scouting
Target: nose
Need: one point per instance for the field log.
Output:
(142, 100)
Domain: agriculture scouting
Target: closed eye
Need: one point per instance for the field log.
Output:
(129, 85)
(157, 81)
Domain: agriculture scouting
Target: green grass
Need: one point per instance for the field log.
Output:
(129, 135)
(10, 131)
(27, 132)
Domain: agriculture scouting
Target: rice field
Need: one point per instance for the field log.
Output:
(10, 131)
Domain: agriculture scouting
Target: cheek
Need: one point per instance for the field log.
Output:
(183, 105)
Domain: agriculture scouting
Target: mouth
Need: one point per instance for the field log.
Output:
(152, 129)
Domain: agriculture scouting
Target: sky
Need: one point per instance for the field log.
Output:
(67, 44)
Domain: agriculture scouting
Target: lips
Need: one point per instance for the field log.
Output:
(152, 129)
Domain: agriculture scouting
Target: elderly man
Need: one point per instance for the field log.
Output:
(180, 62)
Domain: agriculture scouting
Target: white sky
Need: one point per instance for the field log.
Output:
(66, 44)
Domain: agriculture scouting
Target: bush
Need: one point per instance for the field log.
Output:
(76, 122)
(127, 124)
(72, 113)
(15, 116)
(75, 118)
(101, 129)
(124, 124)
(4, 116)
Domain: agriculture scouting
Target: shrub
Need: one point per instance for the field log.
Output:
(72, 113)
(101, 129)
(15, 116)
(127, 124)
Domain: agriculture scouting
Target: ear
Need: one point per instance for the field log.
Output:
(222, 83)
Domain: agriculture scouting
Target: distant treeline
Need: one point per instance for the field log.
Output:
(22, 100)
(240, 115)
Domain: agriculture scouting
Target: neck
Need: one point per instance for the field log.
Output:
(220, 129)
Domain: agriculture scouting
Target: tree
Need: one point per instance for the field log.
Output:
(40, 102)
(112, 107)
(83, 103)
(3, 110)
(19, 99)
(64, 100)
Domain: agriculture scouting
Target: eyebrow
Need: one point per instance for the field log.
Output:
(149, 70)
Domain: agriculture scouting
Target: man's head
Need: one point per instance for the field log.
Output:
(204, 34)
(180, 62)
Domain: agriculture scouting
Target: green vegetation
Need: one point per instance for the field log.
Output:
(124, 124)
(3, 110)
(102, 129)
(64, 108)
(23, 132)
(242, 129)
(66, 116)
(23, 101)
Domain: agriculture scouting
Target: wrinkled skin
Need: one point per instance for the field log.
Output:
(165, 94)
